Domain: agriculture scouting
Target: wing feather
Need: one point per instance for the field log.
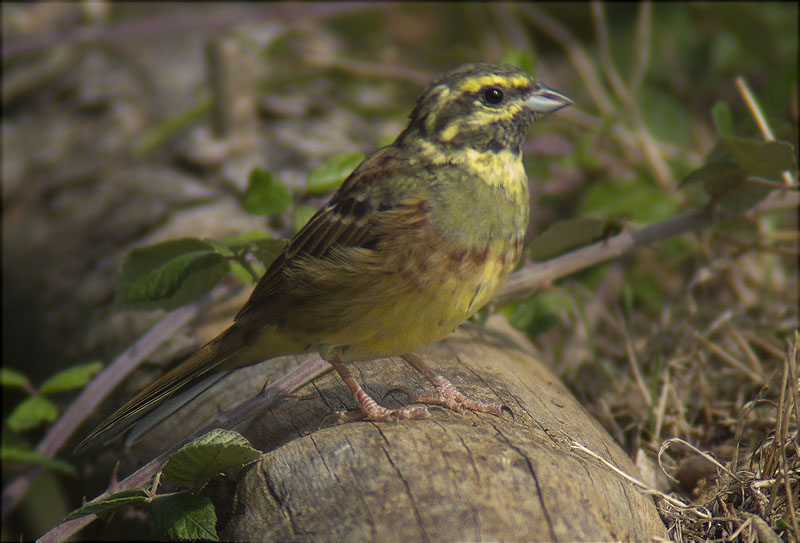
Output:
(351, 218)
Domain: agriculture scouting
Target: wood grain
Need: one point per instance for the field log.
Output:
(472, 477)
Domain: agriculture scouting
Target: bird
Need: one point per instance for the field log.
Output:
(415, 241)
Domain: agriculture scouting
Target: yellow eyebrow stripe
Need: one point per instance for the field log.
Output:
(474, 85)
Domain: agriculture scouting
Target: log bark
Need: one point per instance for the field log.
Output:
(471, 476)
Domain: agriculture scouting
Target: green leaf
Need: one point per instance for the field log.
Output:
(300, 216)
(185, 517)
(725, 176)
(239, 271)
(565, 236)
(31, 413)
(268, 250)
(168, 275)
(105, 506)
(208, 455)
(636, 201)
(246, 237)
(266, 194)
(538, 314)
(742, 197)
(332, 172)
(717, 178)
(71, 378)
(13, 379)
(767, 159)
(27, 456)
(727, 186)
(521, 58)
(723, 119)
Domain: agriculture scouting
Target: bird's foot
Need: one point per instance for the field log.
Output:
(447, 394)
(368, 408)
(378, 413)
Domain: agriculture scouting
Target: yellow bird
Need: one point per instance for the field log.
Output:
(415, 241)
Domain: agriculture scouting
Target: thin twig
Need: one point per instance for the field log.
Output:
(641, 47)
(755, 110)
(665, 445)
(699, 511)
(512, 29)
(598, 15)
(716, 349)
(644, 391)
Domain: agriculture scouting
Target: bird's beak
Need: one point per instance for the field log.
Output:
(546, 100)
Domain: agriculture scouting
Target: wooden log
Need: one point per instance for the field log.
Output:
(471, 476)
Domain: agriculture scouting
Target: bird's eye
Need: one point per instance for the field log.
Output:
(493, 95)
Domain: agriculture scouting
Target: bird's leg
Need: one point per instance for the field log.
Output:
(446, 392)
(369, 407)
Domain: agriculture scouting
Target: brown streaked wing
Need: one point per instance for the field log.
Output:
(328, 225)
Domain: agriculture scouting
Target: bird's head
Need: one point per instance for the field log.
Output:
(487, 107)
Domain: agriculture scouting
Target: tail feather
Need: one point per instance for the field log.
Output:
(191, 375)
(165, 409)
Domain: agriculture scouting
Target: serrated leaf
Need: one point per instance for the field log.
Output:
(168, 275)
(268, 250)
(208, 455)
(723, 119)
(332, 172)
(185, 517)
(719, 153)
(565, 236)
(266, 194)
(767, 159)
(111, 503)
(71, 378)
(725, 177)
(300, 216)
(727, 186)
(13, 379)
(716, 178)
(27, 456)
(31, 413)
(743, 197)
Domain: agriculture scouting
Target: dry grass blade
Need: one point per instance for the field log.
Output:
(758, 503)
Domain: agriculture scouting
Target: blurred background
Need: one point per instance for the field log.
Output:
(126, 124)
